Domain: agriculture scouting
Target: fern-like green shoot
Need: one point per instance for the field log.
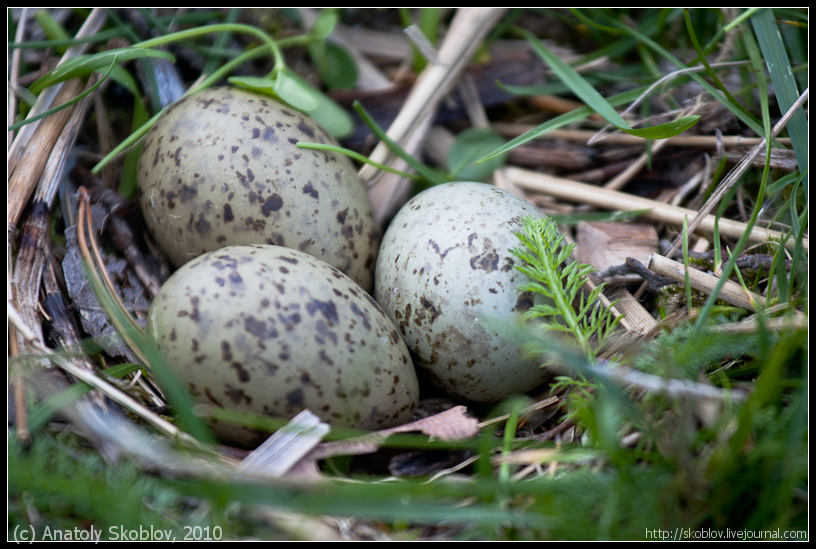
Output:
(547, 261)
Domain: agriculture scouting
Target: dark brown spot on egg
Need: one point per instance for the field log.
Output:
(487, 260)
(226, 352)
(259, 328)
(310, 190)
(295, 397)
(237, 395)
(271, 204)
(243, 375)
(341, 216)
(306, 128)
(187, 193)
(326, 308)
(524, 302)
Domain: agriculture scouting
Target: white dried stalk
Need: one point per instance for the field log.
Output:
(466, 32)
(284, 448)
(575, 191)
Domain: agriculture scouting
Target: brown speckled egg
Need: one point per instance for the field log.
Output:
(271, 330)
(446, 277)
(221, 167)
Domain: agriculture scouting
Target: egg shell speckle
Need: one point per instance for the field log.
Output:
(271, 330)
(446, 277)
(222, 167)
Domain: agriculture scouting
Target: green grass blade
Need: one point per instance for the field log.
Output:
(65, 105)
(664, 131)
(577, 83)
(736, 110)
(784, 83)
(709, 71)
(559, 121)
(418, 166)
(355, 156)
(84, 65)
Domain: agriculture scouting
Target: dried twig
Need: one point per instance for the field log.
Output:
(114, 205)
(34, 340)
(575, 191)
(467, 29)
(513, 129)
(731, 292)
(46, 98)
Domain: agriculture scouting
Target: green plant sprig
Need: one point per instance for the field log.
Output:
(281, 76)
(546, 260)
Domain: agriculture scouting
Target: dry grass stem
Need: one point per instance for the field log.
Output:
(575, 191)
(513, 129)
(112, 392)
(540, 405)
(468, 28)
(625, 376)
(14, 69)
(284, 448)
(24, 176)
(636, 319)
(752, 325)
(45, 99)
(620, 181)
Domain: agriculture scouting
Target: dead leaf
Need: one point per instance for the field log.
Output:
(607, 244)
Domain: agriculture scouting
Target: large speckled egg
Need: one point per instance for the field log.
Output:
(445, 275)
(222, 167)
(271, 330)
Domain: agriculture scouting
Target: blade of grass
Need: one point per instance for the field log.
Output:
(579, 86)
(767, 132)
(559, 121)
(709, 71)
(418, 166)
(130, 332)
(65, 105)
(784, 84)
(689, 303)
(101, 36)
(737, 111)
(356, 156)
(136, 135)
(52, 29)
(84, 65)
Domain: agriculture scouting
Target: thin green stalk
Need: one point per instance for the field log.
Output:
(740, 19)
(139, 133)
(358, 157)
(49, 112)
(762, 89)
(738, 112)
(785, 88)
(510, 427)
(711, 73)
(689, 303)
(420, 168)
(217, 27)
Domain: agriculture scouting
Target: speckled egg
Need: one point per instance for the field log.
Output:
(271, 330)
(221, 167)
(445, 275)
